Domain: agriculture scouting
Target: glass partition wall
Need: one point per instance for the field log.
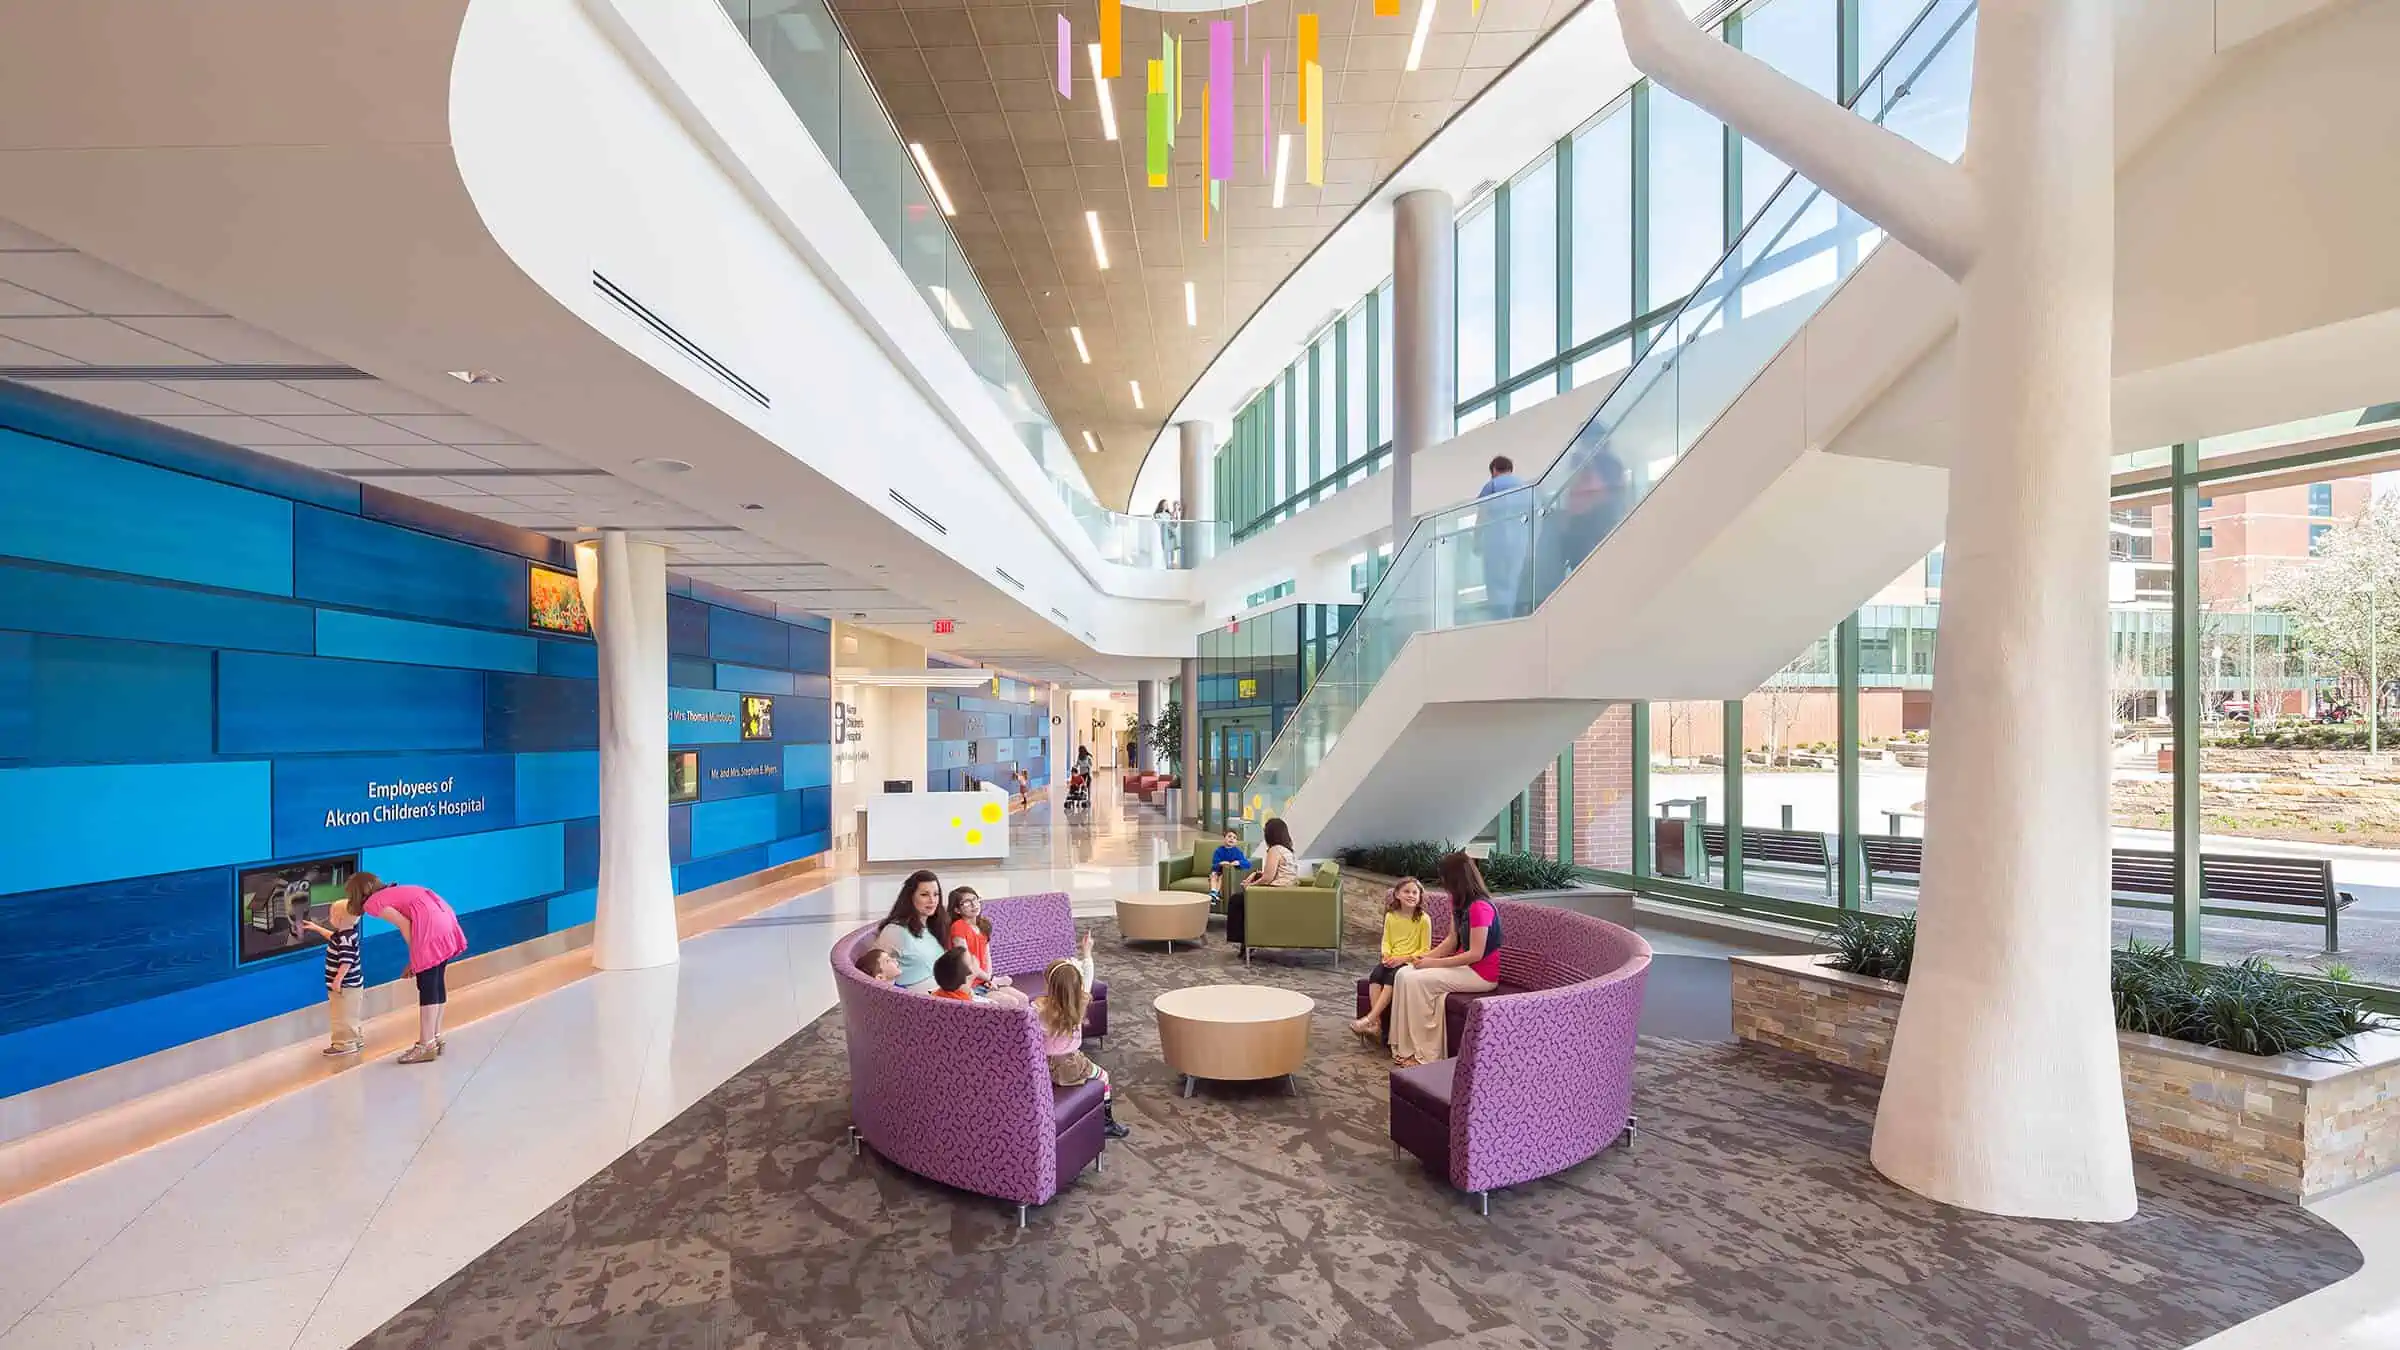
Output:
(2254, 690)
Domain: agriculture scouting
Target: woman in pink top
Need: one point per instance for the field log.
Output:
(430, 927)
(1466, 961)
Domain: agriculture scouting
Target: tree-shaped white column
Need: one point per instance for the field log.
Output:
(2003, 1093)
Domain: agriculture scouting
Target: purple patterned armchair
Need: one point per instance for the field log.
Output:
(960, 1093)
(1031, 931)
(1543, 1075)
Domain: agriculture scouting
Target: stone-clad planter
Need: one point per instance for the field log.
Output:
(2293, 1127)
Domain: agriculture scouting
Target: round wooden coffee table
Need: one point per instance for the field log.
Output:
(1233, 1032)
(1163, 916)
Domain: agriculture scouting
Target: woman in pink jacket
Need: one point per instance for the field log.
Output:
(430, 927)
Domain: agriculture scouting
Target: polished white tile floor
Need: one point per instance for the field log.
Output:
(311, 1220)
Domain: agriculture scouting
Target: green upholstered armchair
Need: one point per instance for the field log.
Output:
(1188, 873)
(1305, 916)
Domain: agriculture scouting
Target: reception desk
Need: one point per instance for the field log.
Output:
(937, 826)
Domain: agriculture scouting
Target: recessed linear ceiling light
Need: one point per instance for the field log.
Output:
(473, 376)
(1090, 444)
(941, 195)
(661, 464)
(1416, 45)
(1080, 349)
(1108, 107)
(1283, 164)
(1191, 306)
(1091, 220)
(1137, 394)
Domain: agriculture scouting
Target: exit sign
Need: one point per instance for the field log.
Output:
(945, 625)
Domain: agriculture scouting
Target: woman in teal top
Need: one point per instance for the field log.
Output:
(913, 930)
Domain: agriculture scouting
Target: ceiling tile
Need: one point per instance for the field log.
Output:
(226, 340)
(259, 398)
(96, 341)
(138, 397)
(349, 429)
(90, 285)
(373, 397)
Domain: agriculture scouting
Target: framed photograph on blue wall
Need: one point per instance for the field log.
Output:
(554, 602)
(758, 717)
(274, 902)
(683, 777)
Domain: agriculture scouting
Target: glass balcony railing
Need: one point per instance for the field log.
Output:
(1500, 557)
(805, 53)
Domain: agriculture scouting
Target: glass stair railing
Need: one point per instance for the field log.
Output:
(1501, 556)
(804, 51)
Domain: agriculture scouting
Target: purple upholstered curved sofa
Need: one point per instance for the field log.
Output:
(960, 1092)
(1542, 1076)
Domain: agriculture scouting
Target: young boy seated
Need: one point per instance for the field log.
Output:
(951, 973)
(879, 965)
(1228, 853)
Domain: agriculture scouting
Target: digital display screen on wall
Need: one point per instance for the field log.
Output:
(555, 603)
(273, 904)
(758, 717)
(683, 776)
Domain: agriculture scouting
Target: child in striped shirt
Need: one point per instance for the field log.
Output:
(345, 978)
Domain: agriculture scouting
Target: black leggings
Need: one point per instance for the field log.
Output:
(433, 987)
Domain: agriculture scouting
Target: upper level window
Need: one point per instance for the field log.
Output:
(1687, 199)
(1601, 216)
(1478, 276)
(2317, 536)
(2320, 499)
(1533, 267)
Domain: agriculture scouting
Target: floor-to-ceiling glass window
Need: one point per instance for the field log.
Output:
(1553, 268)
(1478, 315)
(1687, 195)
(1358, 437)
(1600, 285)
(1533, 267)
(1325, 356)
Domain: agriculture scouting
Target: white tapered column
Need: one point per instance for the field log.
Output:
(624, 585)
(2004, 1091)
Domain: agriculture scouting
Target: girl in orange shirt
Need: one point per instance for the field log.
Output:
(972, 933)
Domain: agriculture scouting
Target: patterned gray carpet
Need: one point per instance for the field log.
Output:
(1747, 1216)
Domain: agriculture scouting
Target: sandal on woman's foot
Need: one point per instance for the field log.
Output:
(1366, 1028)
(1399, 1062)
(421, 1053)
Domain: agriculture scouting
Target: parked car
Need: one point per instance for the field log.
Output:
(2234, 710)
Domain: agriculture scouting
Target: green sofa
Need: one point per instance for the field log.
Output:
(1304, 917)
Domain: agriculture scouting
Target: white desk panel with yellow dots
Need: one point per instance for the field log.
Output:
(935, 826)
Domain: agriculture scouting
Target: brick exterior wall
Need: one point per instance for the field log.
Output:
(1602, 759)
(2293, 1128)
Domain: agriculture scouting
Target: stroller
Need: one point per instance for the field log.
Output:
(1079, 794)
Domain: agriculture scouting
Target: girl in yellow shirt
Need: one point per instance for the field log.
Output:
(1407, 932)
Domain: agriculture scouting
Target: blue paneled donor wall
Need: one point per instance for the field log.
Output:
(227, 681)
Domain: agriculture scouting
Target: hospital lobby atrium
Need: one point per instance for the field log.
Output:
(1156, 673)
